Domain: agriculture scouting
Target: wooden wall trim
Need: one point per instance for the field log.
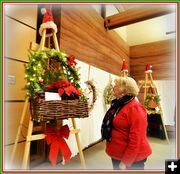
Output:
(17, 60)
(83, 35)
(160, 54)
(153, 48)
(20, 22)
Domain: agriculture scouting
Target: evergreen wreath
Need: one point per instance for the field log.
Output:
(154, 97)
(108, 93)
(48, 66)
(92, 89)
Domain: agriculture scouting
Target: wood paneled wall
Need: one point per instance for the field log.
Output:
(20, 30)
(160, 54)
(83, 35)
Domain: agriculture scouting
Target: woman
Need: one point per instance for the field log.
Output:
(128, 146)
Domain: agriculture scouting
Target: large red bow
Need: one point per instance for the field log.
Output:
(55, 138)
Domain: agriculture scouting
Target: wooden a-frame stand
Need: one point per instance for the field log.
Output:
(31, 137)
(124, 74)
(147, 83)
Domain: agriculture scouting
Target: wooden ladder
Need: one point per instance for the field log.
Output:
(147, 83)
(31, 137)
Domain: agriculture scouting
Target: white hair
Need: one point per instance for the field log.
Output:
(127, 86)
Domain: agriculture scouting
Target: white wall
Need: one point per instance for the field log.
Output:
(90, 127)
(167, 91)
(20, 29)
(151, 30)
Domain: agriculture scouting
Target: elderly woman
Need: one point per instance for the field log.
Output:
(128, 146)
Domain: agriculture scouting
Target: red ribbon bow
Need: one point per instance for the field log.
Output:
(71, 60)
(55, 138)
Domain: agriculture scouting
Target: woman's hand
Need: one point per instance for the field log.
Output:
(122, 166)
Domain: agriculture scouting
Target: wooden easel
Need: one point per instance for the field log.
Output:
(124, 74)
(147, 83)
(31, 137)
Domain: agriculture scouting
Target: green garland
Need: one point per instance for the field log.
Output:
(38, 75)
(108, 93)
(154, 97)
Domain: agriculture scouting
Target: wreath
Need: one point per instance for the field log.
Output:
(52, 71)
(108, 93)
(151, 101)
(93, 91)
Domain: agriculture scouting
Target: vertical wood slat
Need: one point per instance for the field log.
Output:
(160, 54)
(83, 35)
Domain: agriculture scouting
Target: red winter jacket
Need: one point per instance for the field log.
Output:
(129, 142)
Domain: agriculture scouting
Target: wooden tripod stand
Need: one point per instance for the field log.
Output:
(31, 137)
(124, 74)
(148, 83)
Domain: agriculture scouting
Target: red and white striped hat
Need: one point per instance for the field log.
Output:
(48, 22)
(148, 68)
(124, 67)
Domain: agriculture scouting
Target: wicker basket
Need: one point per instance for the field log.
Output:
(42, 110)
(152, 104)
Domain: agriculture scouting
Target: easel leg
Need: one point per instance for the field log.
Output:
(79, 145)
(27, 146)
(164, 128)
(19, 130)
(55, 42)
(154, 89)
(42, 43)
(145, 85)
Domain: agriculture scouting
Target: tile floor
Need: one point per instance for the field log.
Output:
(96, 158)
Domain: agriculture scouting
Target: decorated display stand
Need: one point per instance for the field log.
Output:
(152, 102)
(53, 110)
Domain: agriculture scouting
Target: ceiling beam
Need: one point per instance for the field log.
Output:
(136, 14)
